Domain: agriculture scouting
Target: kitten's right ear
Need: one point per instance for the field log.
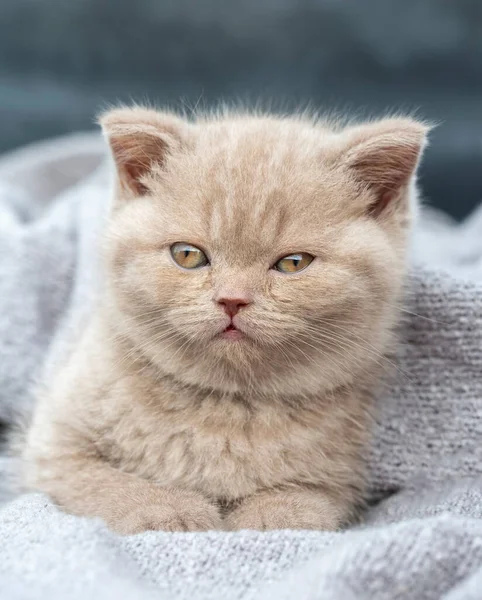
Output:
(139, 139)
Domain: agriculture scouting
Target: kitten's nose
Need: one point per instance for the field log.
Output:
(231, 305)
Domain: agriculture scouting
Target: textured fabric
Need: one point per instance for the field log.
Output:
(422, 540)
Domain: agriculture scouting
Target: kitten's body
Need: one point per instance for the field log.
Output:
(156, 420)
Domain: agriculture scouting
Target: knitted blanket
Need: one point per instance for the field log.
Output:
(422, 537)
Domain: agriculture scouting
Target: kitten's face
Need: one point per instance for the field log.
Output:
(254, 257)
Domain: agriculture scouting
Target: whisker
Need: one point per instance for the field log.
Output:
(365, 346)
(414, 314)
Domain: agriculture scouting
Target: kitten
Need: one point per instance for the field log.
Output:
(225, 381)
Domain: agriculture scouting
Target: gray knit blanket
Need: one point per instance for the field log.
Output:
(422, 536)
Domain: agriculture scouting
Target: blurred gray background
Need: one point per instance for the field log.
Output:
(61, 61)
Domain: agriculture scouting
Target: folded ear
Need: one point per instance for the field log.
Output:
(384, 157)
(139, 139)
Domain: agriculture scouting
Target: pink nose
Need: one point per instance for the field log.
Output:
(232, 306)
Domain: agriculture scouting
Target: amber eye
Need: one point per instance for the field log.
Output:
(293, 263)
(188, 256)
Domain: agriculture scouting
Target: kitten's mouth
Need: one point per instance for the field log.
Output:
(231, 333)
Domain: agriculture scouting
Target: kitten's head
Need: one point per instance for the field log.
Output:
(260, 252)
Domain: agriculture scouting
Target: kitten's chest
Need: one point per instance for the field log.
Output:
(226, 450)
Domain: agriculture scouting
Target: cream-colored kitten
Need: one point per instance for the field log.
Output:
(225, 380)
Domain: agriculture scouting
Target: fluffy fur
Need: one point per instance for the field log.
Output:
(156, 421)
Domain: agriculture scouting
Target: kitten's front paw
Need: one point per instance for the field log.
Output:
(290, 510)
(197, 515)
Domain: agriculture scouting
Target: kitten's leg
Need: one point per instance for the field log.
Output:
(128, 504)
(287, 509)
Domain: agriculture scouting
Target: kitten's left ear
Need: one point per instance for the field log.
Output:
(384, 156)
(140, 138)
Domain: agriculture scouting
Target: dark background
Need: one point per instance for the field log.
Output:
(63, 60)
